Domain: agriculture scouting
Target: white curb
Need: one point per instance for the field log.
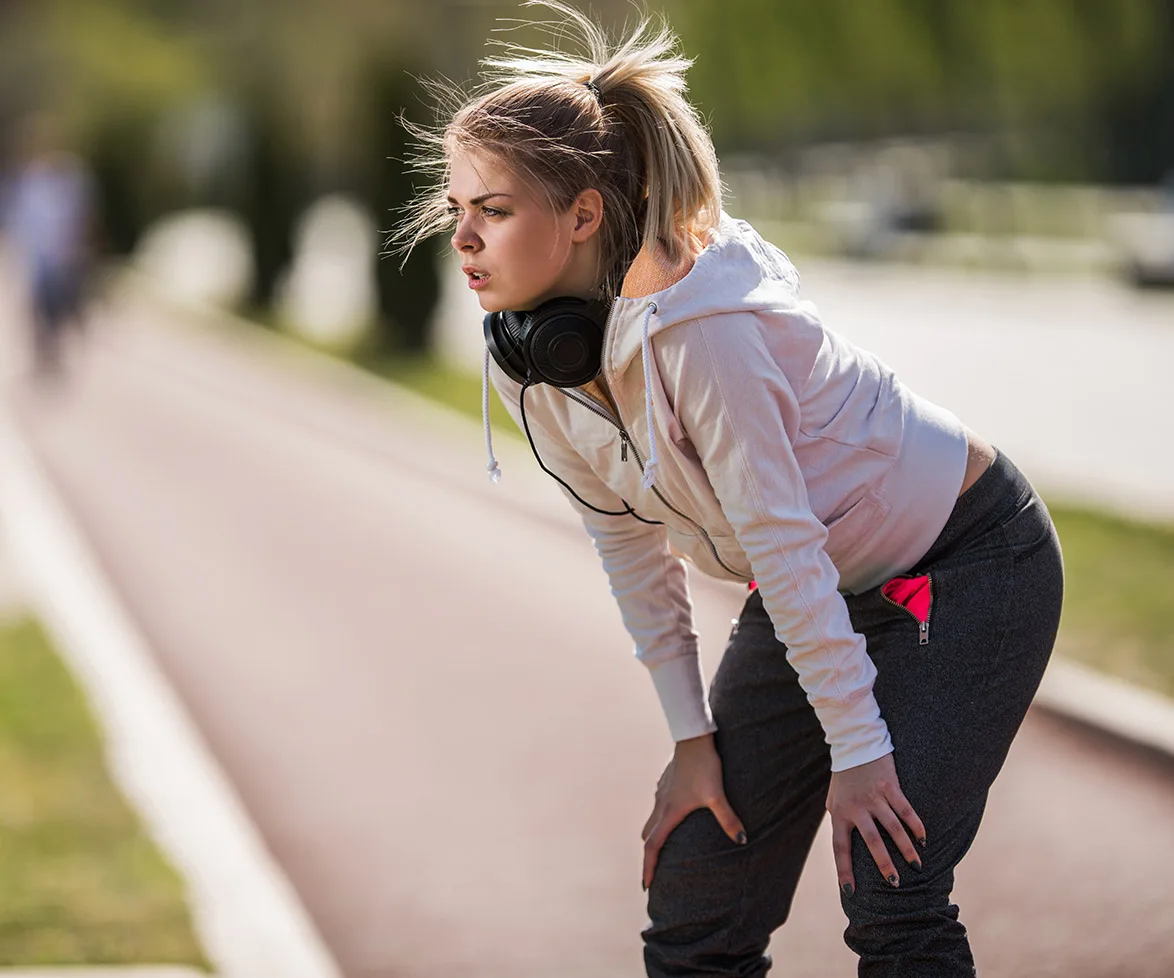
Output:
(246, 914)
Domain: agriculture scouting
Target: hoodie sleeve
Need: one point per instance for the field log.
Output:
(648, 582)
(740, 413)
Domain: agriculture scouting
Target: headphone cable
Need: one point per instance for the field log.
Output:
(627, 511)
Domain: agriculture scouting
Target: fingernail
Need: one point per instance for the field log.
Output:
(848, 889)
(894, 880)
(921, 842)
(916, 864)
(741, 838)
(644, 886)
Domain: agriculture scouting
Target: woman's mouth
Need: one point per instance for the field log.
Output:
(477, 280)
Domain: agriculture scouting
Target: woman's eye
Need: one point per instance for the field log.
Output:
(453, 211)
(491, 212)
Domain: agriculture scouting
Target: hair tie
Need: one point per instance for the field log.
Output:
(595, 91)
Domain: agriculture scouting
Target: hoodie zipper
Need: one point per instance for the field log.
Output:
(922, 626)
(625, 441)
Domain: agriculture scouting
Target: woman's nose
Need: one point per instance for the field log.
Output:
(464, 240)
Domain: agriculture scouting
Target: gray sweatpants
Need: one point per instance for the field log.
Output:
(952, 704)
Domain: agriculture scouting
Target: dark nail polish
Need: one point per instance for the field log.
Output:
(894, 880)
(741, 838)
(921, 842)
(644, 886)
(916, 864)
(848, 889)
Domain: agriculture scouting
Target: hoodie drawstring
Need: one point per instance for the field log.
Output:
(493, 468)
(646, 354)
(653, 451)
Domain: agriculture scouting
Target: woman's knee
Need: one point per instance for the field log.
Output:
(706, 915)
(912, 929)
(909, 931)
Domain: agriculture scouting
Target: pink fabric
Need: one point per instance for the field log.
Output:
(911, 593)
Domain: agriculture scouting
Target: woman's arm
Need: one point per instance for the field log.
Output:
(648, 582)
(649, 585)
(739, 411)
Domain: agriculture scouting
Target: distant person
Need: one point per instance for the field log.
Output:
(48, 213)
(905, 579)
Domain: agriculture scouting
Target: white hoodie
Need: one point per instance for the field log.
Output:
(771, 450)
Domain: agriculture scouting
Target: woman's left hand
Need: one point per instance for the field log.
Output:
(864, 798)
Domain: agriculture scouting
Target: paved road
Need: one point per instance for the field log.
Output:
(421, 688)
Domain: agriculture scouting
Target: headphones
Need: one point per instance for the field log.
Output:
(558, 343)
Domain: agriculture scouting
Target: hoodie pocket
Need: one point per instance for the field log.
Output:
(913, 595)
(852, 529)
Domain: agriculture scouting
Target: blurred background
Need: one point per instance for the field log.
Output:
(982, 193)
(995, 133)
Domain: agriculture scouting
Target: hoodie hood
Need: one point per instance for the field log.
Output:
(738, 271)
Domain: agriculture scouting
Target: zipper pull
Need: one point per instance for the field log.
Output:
(923, 633)
(623, 446)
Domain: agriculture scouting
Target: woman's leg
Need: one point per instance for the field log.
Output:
(714, 904)
(953, 707)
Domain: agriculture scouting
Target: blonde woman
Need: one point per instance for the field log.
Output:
(905, 580)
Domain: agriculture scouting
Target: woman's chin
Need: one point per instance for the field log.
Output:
(490, 304)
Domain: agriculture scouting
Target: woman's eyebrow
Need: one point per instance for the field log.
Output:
(478, 200)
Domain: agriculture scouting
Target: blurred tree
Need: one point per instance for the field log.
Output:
(1132, 131)
(407, 296)
(119, 150)
(277, 186)
(1047, 79)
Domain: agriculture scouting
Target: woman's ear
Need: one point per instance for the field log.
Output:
(588, 211)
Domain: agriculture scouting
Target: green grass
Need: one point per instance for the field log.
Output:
(80, 882)
(1119, 595)
(1119, 574)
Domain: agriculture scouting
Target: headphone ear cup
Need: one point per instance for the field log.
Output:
(564, 342)
(504, 335)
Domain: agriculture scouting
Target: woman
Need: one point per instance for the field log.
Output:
(905, 578)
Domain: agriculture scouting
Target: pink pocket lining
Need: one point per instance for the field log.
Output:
(911, 593)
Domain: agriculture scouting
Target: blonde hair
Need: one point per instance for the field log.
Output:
(630, 134)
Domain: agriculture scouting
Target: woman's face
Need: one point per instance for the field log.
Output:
(514, 250)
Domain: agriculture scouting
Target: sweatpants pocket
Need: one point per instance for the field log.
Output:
(913, 594)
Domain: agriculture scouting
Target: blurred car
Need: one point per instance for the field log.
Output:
(1145, 241)
(1146, 246)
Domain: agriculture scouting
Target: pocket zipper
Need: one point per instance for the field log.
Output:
(910, 595)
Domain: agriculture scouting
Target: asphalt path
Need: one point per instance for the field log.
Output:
(421, 688)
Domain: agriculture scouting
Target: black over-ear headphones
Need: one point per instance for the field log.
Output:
(559, 343)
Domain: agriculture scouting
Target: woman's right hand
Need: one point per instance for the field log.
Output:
(692, 780)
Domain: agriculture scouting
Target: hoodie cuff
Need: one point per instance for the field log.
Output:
(681, 690)
(856, 736)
